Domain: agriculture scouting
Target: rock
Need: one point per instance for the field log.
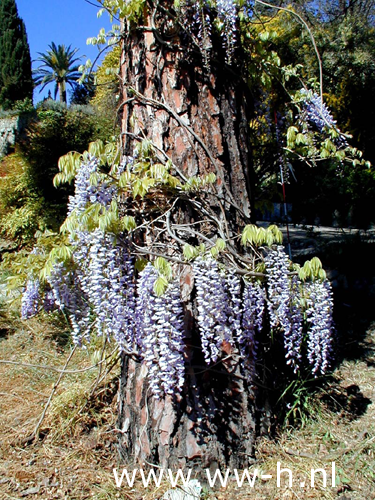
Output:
(30, 491)
(190, 492)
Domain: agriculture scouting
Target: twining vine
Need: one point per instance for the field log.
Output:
(126, 246)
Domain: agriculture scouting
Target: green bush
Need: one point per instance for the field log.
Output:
(23, 211)
(55, 131)
(28, 200)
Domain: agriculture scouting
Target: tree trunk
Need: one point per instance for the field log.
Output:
(62, 92)
(200, 119)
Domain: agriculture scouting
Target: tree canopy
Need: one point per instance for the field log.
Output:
(15, 63)
(58, 67)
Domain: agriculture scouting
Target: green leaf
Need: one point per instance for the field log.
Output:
(163, 266)
(128, 223)
(220, 244)
(125, 179)
(264, 36)
(188, 251)
(160, 286)
(214, 251)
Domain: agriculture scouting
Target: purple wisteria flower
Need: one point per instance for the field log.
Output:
(69, 298)
(49, 303)
(320, 331)
(160, 334)
(254, 300)
(227, 12)
(106, 276)
(30, 299)
(212, 300)
(86, 192)
(317, 114)
(234, 305)
(283, 304)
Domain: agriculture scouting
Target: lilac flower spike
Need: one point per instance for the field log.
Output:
(320, 332)
(212, 301)
(160, 334)
(283, 304)
(227, 12)
(254, 300)
(30, 299)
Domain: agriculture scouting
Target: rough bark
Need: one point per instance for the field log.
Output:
(200, 120)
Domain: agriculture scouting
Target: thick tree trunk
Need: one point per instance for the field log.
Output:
(200, 121)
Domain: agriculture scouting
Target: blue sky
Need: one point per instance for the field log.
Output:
(68, 22)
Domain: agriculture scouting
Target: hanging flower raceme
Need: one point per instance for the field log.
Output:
(284, 304)
(254, 300)
(106, 275)
(227, 12)
(316, 113)
(31, 298)
(87, 191)
(160, 334)
(234, 310)
(212, 300)
(202, 22)
(320, 321)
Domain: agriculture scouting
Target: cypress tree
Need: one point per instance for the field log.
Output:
(15, 63)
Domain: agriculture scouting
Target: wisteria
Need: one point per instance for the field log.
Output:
(98, 289)
(293, 341)
(68, 297)
(160, 334)
(106, 278)
(283, 304)
(320, 332)
(234, 309)
(30, 299)
(202, 22)
(254, 300)
(87, 191)
(227, 12)
(227, 15)
(317, 114)
(212, 307)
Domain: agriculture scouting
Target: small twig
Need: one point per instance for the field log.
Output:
(35, 433)
(331, 456)
(311, 37)
(59, 370)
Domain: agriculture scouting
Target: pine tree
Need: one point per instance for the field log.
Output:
(15, 62)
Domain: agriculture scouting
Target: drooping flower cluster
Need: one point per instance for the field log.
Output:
(212, 300)
(227, 12)
(320, 331)
(69, 298)
(234, 309)
(283, 304)
(227, 15)
(106, 276)
(88, 191)
(254, 299)
(317, 114)
(225, 312)
(202, 22)
(160, 334)
(30, 299)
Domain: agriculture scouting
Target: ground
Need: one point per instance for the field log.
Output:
(75, 453)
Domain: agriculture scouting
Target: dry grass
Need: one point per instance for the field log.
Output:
(77, 451)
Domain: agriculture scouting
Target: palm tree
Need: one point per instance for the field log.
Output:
(58, 67)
